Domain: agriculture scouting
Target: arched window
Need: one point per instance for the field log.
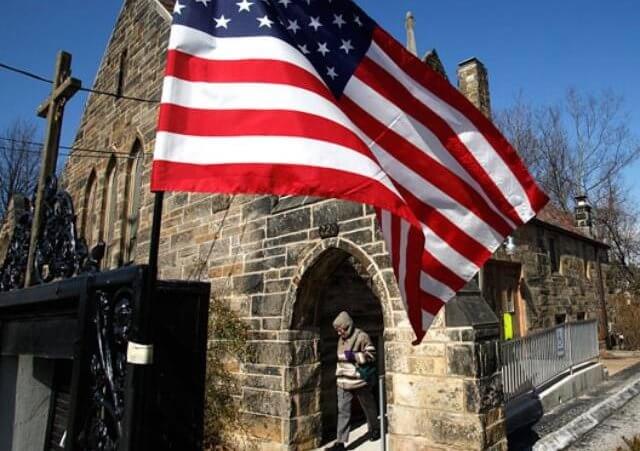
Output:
(110, 212)
(136, 165)
(90, 212)
(122, 73)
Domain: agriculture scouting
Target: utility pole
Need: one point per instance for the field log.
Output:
(64, 87)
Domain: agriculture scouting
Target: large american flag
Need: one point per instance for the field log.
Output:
(312, 97)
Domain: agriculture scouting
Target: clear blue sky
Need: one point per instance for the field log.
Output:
(538, 47)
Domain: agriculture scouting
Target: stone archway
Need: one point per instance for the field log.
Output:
(335, 276)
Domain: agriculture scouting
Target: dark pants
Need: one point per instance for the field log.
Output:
(368, 403)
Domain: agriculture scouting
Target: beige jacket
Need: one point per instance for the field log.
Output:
(347, 376)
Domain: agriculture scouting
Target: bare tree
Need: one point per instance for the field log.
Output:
(574, 147)
(19, 162)
(618, 218)
(581, 146)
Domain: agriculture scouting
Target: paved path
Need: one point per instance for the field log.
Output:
(524, 440)
(564, 413)
(358, 440)
(608, 435)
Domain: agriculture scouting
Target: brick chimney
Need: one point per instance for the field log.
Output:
(473, 82)
(583, 215)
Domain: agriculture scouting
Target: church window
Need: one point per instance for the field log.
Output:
(89, 216)
(110, 211)
(122, 73)
(136, 165)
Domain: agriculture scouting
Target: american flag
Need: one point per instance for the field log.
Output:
(312, 97)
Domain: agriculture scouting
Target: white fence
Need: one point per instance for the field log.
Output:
(532, 361)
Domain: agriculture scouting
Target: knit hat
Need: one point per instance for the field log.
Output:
(344, 321)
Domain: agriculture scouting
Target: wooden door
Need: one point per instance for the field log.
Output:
(501, 289)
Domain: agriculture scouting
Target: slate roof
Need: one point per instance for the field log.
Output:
(559, 219)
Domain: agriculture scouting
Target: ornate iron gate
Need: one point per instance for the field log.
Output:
(136, 347)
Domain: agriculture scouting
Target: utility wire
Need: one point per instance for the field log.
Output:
(82, 149)
(70, 155)
(94, 91)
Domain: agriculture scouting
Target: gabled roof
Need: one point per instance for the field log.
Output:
(563, 222)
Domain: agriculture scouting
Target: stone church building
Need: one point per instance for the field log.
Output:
(288, 265)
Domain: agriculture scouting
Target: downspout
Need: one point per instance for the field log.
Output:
(604, 322)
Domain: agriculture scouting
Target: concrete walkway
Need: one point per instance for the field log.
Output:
(570, 422)
(359, 440)
(608, 435)
(565, 413)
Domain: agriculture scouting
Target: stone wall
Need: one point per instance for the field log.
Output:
(113, 125)
(567, 288)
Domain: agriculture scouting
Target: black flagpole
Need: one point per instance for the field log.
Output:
(155, 236)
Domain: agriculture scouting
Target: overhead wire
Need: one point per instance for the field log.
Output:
(70, 155)
(34, 76)
(110, 154)
(72, 148)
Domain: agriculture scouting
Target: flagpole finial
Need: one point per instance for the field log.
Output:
(411, 35)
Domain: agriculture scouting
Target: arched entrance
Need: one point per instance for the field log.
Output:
(336, 280)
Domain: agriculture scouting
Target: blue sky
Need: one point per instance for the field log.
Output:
(538, 47)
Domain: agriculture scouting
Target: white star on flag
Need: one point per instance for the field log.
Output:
(204, 2)
(331, 72)
(264, 21)
(293, 26)
(178, 8)
(304, 49)
(244, 5)
(339, 20)
(315, 23)
(222, 22)
(322, 48)
(346, 46)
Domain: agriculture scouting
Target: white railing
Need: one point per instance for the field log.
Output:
(533, 361)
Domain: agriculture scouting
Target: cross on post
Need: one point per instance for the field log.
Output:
(64, 87)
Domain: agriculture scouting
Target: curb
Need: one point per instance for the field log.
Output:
(578, 427)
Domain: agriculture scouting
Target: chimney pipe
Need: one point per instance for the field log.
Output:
(583, 215)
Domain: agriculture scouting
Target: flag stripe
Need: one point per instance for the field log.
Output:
(456, 103)
(449, 257)
(279, 179)
(250, 96)
(435, 288)
(432, 266)
(198, 122)
(428, 168)
(191, 68)
(420, 137)
(203, 45)
(387, 86)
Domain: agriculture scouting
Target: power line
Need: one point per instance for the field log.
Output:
(26, 73)
(33, 143)
(70, 155)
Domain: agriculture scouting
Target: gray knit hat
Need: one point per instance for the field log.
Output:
(344, 321)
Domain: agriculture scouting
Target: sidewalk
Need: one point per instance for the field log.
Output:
(565, 413)
(358, 440)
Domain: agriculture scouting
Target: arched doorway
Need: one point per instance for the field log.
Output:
(337, 281)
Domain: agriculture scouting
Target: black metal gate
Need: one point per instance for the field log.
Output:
(136, 353)
(129, 352)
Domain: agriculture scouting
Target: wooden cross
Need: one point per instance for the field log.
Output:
(64, 87)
